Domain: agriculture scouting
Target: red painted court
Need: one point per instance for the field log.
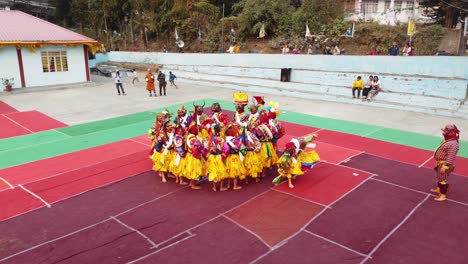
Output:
(14, 123)
(367, 202)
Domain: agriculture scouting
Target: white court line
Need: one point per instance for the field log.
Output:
(7, 183)
(424, 163)
(150, 201)
(295, 196)
(414, 190)
(136, 231)
(35, 195)
(348, 167)
(400, 186)
(394, 230)
(56, 130)
(309, 222)
(148, 145)
(335, 243)
(87, 166)
(349, 158)
(248, 230)
(355, 187)
(280, 244)
(164, 248)
(53, 240)
(18, 124)
(196, 226)
(372, 132)
(79, 230)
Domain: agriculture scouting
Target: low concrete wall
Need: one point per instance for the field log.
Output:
(424, 84)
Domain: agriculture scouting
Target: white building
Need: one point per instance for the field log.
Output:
(37, 53)
(388, 12)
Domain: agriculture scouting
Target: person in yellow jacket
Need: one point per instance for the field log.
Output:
(358, 85)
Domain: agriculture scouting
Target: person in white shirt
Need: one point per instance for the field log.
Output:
(135, 77)
(118, 82)
(375, 88)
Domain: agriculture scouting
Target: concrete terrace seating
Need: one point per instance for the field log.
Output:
(435, 85)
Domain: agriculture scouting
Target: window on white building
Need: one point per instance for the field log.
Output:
(371, 6)
(397, 5)
(54, 61)
(410, 5)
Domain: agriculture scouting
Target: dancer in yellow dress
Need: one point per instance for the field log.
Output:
(232, 149)
(215, 167)
(177, 165)
(296, 159)
(194, 160)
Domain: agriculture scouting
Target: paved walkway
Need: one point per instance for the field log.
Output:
(76, 104)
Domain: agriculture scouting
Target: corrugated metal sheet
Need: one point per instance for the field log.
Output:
(18, 26)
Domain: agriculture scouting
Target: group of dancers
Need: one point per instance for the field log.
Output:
(198, 146)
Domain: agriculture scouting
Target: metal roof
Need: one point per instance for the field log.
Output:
(17, 26)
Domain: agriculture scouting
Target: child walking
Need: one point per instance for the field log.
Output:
(172, 77)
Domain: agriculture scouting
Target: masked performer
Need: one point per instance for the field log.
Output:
(215, 167)
(296, 159)
(234, 158)
(178, 163)
(163, 155)
(445, 156)
(194, 160)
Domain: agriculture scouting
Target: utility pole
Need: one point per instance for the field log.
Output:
(222, 29)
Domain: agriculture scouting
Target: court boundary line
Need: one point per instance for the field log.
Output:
(349, 158)
(301, 198)
(372, 132)
(32, 132)
(89, 226)
(394, 229)
(24, 147)
(348, 167)
(76, 169)
(35, 195)
(197, 226)
(151, 242)
(162, 249)
(280, 244)
(247, 230)
(7, 183)
(414, 190)
(424, 163)
(335, 243)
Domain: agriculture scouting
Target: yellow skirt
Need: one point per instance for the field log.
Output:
(306, 157)
(268, 156)
(234, 167)
(286, 173)
(193, 167)
(215, 168)
(253, 164)
(177, 170)
(162, 162)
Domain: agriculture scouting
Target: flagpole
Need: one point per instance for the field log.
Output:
(222, 29)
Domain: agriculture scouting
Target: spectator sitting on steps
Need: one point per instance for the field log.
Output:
(375, 88)
(394, 50)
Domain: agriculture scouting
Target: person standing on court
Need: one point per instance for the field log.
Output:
(162, 83)
(149, 77)
(445, 156)
(135, 76)
(172, 77)
(118, 82)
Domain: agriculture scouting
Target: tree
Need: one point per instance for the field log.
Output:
(446, 12)
(252, 14)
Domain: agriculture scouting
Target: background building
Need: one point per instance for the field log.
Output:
(385, 11)
(37, 53)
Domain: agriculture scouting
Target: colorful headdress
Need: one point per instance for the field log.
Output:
(181, 111)
(241, 98)
(273, 107)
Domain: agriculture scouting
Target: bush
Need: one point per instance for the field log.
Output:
(425, 41)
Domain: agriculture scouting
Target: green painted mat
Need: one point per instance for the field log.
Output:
(23, 149)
